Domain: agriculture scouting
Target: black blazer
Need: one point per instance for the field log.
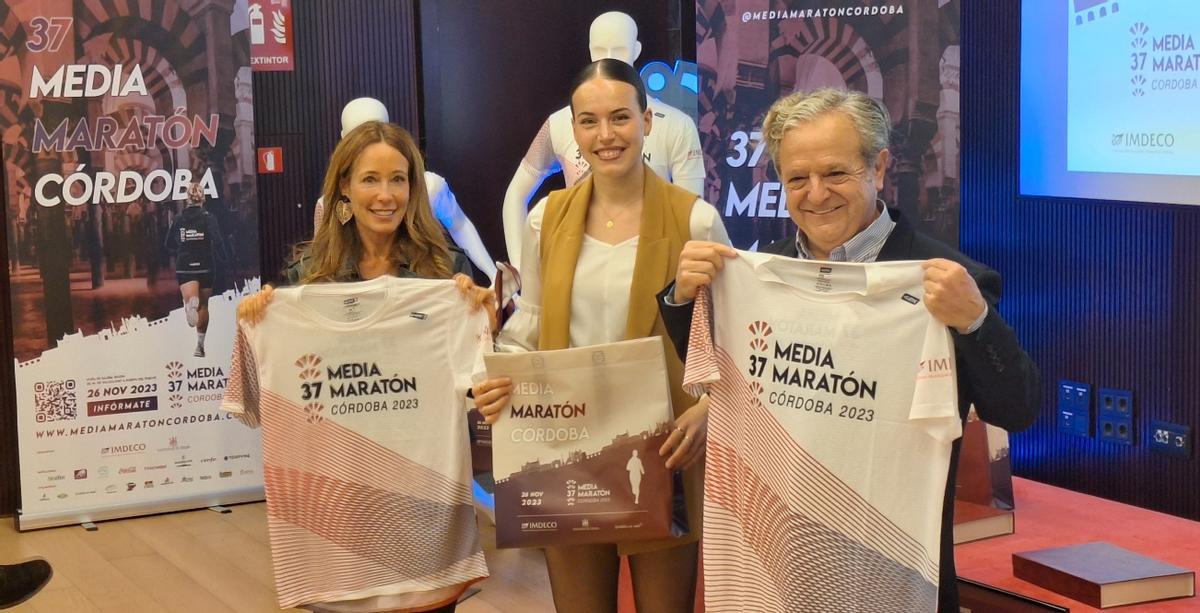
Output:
(994, 373)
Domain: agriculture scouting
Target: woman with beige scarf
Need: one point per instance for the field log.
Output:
(594, 257)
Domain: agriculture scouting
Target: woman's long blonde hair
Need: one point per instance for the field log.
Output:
(418, 241)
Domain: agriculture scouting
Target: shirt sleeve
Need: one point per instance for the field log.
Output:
(706, 224)
(687, 159)
(469, 338)
(242, 392)
(975, 325)
(935, 394)
(700, 367)
(540, 159)
(520, 332)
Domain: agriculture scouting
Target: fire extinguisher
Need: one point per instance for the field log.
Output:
(257, 30)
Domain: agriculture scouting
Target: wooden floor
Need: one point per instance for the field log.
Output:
(202, 561)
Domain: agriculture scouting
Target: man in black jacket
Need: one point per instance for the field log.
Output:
(830, 149)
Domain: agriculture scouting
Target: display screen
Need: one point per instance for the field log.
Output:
(1110, 99)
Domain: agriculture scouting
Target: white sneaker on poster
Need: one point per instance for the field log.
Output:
(199, 351)
(192, 310)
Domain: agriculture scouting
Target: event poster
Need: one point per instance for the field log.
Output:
(131, 217)
(271, 36)
(902, 52)
(1130, 67)
(575, 457)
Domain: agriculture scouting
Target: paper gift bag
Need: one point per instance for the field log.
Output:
(575, 455)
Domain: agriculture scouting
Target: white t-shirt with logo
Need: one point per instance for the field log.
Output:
(672, 148)
(833, 411)
(360, 391)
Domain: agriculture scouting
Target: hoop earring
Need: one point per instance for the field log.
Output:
(344, 211)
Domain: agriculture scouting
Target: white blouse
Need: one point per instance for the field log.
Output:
(600, 294)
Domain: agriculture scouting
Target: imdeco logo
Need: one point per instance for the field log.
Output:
(1143, 140)
(124, 449)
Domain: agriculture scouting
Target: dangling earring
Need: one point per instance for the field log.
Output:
(344, 211)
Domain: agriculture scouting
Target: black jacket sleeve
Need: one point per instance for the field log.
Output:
(460, 263)
(995, 373)
(676, 319)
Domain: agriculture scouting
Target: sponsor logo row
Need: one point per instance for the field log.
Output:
(129, 486)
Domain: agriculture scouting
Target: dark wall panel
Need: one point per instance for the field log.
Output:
(1100, 292)
(290, 213)
(494, 70)
(345, 49)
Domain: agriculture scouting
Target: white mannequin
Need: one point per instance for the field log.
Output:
(672, 147)
(614, 35)
(445, 205)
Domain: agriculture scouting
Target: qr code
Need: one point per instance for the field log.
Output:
(54, 400)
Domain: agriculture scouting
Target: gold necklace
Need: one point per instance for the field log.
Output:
(611, 218)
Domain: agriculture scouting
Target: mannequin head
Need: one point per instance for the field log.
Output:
(614, 35)
(361, 110)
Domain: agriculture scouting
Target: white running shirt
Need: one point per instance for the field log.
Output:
(833, 410)
(360, 390)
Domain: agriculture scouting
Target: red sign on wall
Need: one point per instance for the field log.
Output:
(270, 160)
(271, 35)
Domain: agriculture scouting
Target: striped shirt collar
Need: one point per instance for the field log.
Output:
(862, 247)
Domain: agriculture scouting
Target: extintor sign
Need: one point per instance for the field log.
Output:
(271, 34)
(270, 160)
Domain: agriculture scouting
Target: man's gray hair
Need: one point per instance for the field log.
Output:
(869, 117)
